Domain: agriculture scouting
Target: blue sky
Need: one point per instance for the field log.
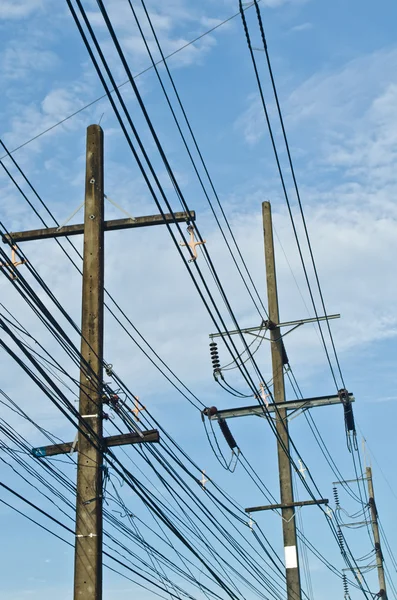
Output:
(335, 67)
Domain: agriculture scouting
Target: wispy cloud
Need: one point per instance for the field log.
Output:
(19, 9)
(26, 60)
(302, 27)
(384, 399)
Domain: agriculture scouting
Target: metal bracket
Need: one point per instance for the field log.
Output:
(192, 244)
(289, 505)
(292, 324)
(14, 262)
(264, 396)
(203, 480)
(137, 408)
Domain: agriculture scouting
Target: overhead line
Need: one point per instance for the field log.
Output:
(296, 184)
(273, 142)
(196, 39)
(187, 121)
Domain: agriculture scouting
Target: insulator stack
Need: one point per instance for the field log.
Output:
(347, 407)
(341, 541)
(216, 365)
(284, 354)
(346, 594)
(227, 434)
(336, 497)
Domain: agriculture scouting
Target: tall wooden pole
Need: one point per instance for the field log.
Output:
(88, 548)
(375, 528)
(90, 442)
(286, 491)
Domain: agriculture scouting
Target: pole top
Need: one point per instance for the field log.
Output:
(94, 127)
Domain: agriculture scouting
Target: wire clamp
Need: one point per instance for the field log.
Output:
(302, 469)
(39, 452)
(14, 262)
(109, 369)
(203, 480)
(264, 396)
(138, 408)
(192, 244)
(89, 501)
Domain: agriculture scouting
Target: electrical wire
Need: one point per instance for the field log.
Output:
(149, 68)
(286, 196)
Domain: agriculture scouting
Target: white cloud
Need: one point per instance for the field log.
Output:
(251, 123)
(270, 3)
(344, 125)
(330, 103)
(302, 27)
(384, 399)
(19, 9)
(344, 93)
(25, 60)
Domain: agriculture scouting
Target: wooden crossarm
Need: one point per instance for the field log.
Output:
(113, 440)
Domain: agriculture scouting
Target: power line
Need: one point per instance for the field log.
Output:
(187, 121)
(149, 68)
(280, 172)
(261, 27)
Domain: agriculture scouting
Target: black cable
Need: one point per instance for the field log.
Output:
(106, 292)
(198, 151)
(153, 173)
(296, 185)
(196, 39)
(140, 144)
(39, 479)
(283, 184)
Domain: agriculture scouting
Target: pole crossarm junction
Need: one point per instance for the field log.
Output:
(252, 509)
(114, 440)
(290, 540)
(284, 324)
(90, 443)
(114, 225)
(259, 411)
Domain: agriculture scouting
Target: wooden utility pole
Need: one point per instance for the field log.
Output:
(88, 547)
(284, 464)
(375, 528)
(90, 443)
(282, 409)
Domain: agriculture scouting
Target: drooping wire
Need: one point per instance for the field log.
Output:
(149, 68)
(247, 34)
(261, 27)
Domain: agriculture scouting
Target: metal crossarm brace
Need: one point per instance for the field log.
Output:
(284, 324)
(252, 509)
(259, 411)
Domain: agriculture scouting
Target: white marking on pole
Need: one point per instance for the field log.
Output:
(291, 559)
